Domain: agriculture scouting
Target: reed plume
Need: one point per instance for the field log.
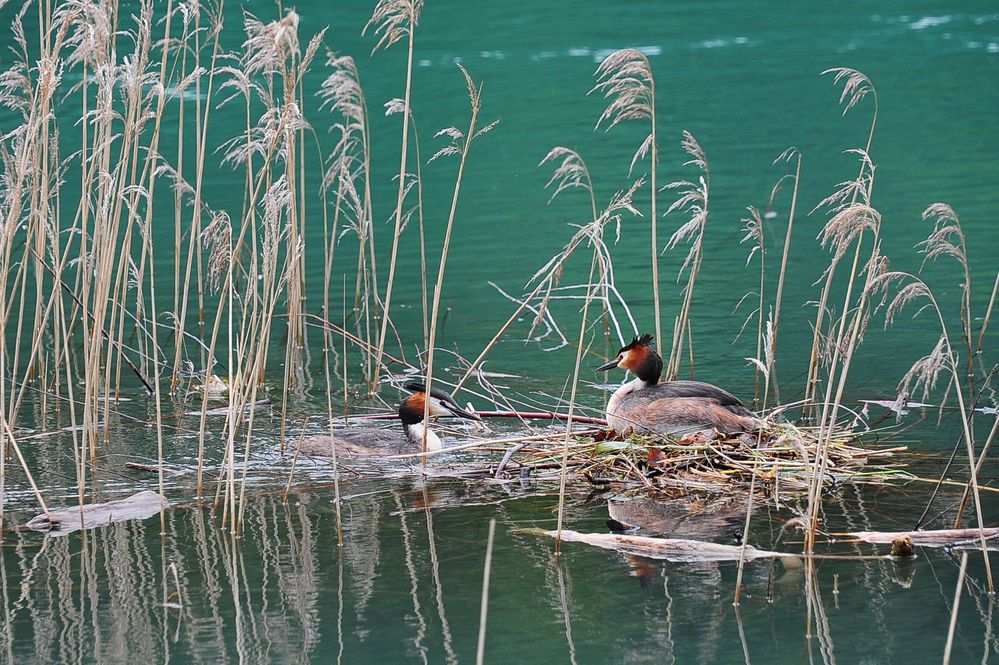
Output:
(856, 86)
(348, 175)
(693, 200)
(924, 373)
(625, 79)
(947, 239)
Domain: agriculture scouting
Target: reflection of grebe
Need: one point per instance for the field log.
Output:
(371, 441)
(674, 406)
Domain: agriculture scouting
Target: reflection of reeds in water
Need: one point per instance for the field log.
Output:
(104, 597)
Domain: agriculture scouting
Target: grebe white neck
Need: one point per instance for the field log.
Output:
(614, 403)
(415, 432)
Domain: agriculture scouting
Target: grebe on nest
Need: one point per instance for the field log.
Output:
(673, 407)
(372, 441)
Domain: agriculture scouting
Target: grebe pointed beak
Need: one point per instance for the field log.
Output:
(459, 412)
(608, 365)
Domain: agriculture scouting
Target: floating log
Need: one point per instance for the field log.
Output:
(64, 521)
(937, 538)
(677, 550)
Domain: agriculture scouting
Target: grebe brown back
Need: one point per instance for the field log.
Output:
(372, 441)
(673, 407)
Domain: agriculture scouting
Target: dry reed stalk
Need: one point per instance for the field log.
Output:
(753, 230)
(765, 366)
(278, 203)
(395, 19)
(140, 106)
(855, 88)
(460, 144)
(572, 405)
(787, 155)
(217, 236)
(191, 31)
(925, 372)
(295, 278)
(847, 227)
(349, 163)
(148, 251)
(178, 213)
(329, 408)
(988, 316)
(625, 78)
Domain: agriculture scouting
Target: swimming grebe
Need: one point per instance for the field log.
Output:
(372, 441)
(645, 405)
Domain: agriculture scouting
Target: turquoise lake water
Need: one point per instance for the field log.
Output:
(745, 79)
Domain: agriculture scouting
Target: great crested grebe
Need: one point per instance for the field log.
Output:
(372, 441)
(645, 405)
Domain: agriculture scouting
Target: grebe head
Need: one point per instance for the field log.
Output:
(640, 358)
(441, 404)
(412, 408)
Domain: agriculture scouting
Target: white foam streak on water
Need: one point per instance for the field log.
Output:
(930, 22)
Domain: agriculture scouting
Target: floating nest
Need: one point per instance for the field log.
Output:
(782, 458)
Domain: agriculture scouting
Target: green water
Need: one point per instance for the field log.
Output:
(744, 78)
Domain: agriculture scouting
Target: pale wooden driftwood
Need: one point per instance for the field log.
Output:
(63, 521)
(938, 538)
(677, 550)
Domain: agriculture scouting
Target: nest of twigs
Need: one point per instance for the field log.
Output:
(782, 457)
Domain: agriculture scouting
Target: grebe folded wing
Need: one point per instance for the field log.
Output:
(675, 415)
(696, 389)
(702, 389)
